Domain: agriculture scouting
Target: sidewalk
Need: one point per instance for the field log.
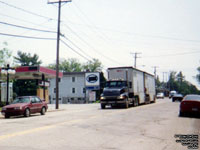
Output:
(52, 107)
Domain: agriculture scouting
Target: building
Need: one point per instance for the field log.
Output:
(71, 88)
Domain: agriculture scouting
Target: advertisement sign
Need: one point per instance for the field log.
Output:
(92, 80)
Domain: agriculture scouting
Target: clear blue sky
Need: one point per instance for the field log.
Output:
(166, 33)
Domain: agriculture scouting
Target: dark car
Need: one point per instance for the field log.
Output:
(25, 105)
(190, 105)
(177, 97)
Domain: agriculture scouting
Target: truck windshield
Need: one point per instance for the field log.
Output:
(116, 84)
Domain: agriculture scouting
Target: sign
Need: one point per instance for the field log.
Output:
(92, 96)
(47, 83)
(92, 79)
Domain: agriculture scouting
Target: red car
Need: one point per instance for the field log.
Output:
(25, 105)
(190, 105)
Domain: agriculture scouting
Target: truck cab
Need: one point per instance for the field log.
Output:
(115, 92)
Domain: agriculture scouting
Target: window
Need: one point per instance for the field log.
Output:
(84, 90)
(73, 90)
(73, 79)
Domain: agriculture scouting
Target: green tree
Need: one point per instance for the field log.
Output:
(5, 54)
(93, 65)
(68, 65)
(25, 59)
(198, 75)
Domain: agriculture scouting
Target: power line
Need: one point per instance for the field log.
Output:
(26, 11)
(89, 45)
(176, 54)
(28, 37)
(74, 50)
(23, 27)
(76, 46)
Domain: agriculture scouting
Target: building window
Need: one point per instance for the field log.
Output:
(84, 90)
(73, 79)
(73, 90)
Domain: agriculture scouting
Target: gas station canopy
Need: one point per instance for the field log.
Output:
(33, 72)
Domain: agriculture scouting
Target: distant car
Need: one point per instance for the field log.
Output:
(160, 95)
(177, 97)
(190, 105)
(171, 94)
(25, 105)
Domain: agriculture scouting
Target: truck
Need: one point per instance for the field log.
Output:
(128, 86)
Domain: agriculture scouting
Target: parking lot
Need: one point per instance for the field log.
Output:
(87, 127)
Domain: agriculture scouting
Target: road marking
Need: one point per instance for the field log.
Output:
(2, 137)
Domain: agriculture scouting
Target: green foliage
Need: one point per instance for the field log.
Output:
(5, 54)
(25, 59)
(198, 75)
(93, 65)
(73, 65)
(178, 83)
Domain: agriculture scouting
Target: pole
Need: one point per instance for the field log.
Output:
(135, 58)
(7, 94)
(57, 56)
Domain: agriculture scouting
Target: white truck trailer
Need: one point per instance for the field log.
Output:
(128, 86)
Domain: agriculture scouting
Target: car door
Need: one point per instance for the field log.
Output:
(38, 104)
(33, 107)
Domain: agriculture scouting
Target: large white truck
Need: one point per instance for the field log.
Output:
(128, 86)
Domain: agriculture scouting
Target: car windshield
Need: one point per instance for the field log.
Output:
(192, 97)
(21, 100)
(116, 84)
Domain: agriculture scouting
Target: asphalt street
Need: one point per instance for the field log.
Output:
(87, 127)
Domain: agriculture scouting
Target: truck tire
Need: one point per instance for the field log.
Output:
(103, 106)
(126, 103)
(136, 103)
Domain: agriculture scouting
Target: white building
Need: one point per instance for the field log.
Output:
(71, 88)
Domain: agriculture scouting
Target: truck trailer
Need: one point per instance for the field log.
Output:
(128, 86)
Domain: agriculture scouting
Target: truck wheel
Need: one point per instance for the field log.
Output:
(103, 106)
(136, 102)
(126, 104)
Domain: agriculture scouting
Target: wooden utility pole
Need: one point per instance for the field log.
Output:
(135, 57)
(58, 46)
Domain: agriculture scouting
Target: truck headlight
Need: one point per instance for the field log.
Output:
(121, 97)
(102, 98)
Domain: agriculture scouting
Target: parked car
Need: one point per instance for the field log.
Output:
(160, 95)
(171, 94)
(190, 105)
(177, 97)
(25, 105)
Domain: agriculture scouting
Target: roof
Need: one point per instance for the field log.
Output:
(33, 72)
(130, 67)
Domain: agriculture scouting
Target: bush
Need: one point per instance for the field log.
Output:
(2, 104)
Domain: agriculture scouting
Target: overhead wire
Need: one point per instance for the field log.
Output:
(28, 28)
(28, 37)
(74, 50)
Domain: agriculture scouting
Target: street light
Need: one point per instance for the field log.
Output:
(7, 71)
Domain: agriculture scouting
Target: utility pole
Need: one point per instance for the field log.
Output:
(155, 67)
(135, 57)
(57, 48)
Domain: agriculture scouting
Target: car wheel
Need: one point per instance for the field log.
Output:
(181, 114)
(7, 116)
(43, 110)
(27, 112)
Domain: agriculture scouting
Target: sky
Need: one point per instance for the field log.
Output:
(165, 34)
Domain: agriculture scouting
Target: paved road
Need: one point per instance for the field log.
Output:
(87, 127)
